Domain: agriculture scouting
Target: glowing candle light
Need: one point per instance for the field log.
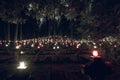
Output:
(22, 65)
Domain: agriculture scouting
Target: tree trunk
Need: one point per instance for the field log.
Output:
(16, 33)
(71, 30)
(8, 31)
(21, 32)
(49, 30)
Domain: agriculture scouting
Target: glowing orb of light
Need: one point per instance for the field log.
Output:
(21, 52)
(78, 46)
(54, 47)
(58, 47)
(6, 45)
(32, 45)
(39, 47)
(95, 54)
(17, 47)
(22, 65)
(95, 46)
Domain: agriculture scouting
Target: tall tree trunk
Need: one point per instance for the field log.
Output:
(49, 30)
(71, 29)
(16, 32)
(21, 32)
(4, 32)
(88, 6)
(8, 31)
(54, 33)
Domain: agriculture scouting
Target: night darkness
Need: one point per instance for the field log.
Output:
(32, 28)
(59, 39)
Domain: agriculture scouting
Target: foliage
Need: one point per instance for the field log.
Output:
(96, 19)
(102, 21)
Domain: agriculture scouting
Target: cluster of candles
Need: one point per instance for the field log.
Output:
(58, 41)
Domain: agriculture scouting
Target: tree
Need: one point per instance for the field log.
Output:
(99, 21)
(11, 13)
